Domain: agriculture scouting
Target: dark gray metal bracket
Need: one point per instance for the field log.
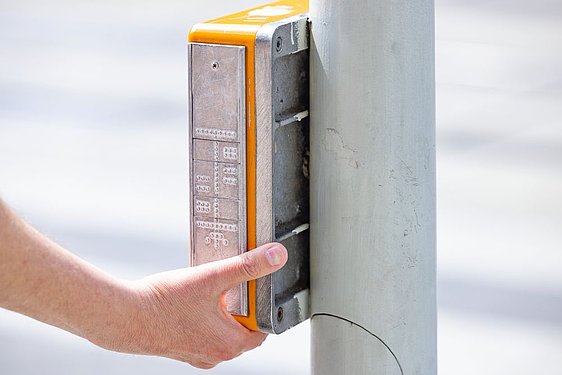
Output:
(282, 85)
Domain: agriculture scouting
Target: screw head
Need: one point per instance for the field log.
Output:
(215, 65)
(280, 314)
(279, 44)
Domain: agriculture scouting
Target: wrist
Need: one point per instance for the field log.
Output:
(119, 325)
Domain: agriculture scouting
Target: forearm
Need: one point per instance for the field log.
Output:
(40, 279)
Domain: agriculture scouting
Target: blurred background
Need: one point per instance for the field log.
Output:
(93, 153)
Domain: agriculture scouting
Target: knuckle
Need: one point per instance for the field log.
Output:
(255, 340)
(226, 354)
(261, 340)
(204, 365)
(249, 266)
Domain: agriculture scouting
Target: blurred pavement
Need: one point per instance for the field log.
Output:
(93, 153)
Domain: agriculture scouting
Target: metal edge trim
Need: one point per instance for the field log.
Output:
(264, 176)
(242, 176)
(190, 155)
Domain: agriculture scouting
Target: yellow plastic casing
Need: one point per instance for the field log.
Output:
(239, 29)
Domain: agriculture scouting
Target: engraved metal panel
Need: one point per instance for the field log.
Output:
(217, 239)
(217, 159)
(226, 152)
(217, 208)
(213, 179)
(217, 86)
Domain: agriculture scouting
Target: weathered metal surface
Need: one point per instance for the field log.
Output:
(282, 169)
(372, 183)
(217, 163)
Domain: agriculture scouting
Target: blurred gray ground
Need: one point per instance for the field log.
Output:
(93, 153)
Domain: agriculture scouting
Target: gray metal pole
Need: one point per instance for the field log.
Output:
(373, 187)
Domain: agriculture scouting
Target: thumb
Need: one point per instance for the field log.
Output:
(251, 265)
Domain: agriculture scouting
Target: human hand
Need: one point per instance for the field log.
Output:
(182, 313)
(179, 314)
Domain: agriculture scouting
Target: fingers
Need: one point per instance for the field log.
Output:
(236, 346)
(246, 342)
(191, 323)
(255, 340)
(251, 265)
(203, 365)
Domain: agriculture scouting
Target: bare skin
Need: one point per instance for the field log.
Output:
(177, 314)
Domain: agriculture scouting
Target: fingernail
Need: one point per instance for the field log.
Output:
(274, 255)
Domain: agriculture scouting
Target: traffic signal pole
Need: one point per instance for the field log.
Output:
(372, 165)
